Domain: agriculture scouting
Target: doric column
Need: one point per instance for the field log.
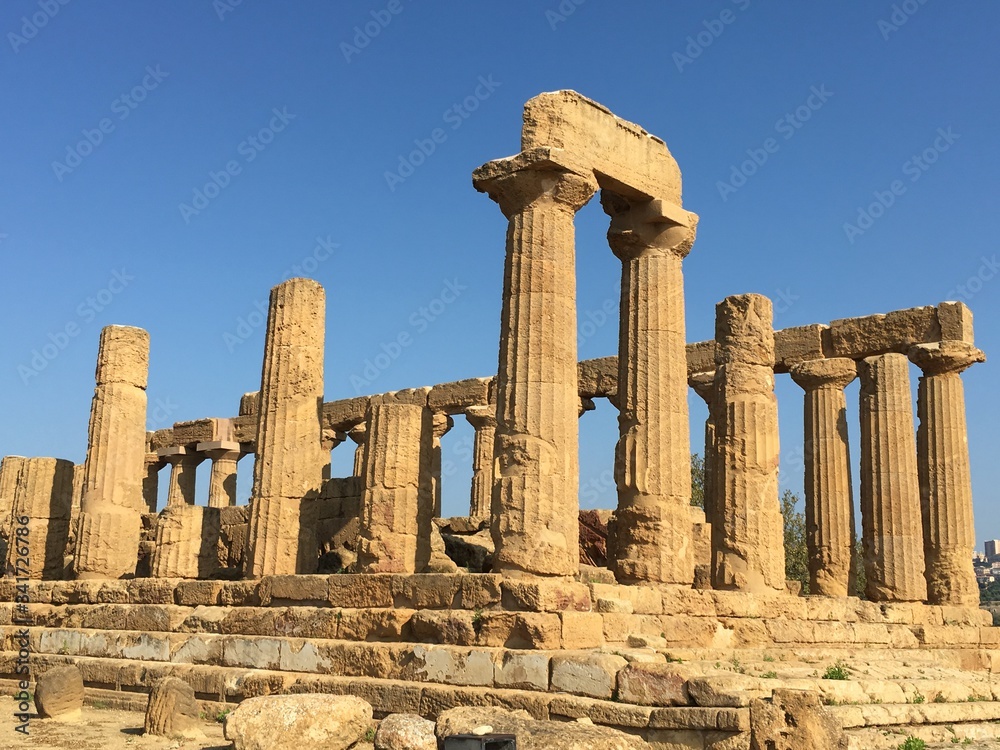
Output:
(890, 490)
(290, 459)
(187, 542)
(652, 540)
(398, 501)
(484, 421)
(359, 434)
(829, 505)
(703, 384)
(222, 481)
(536, 525)
(151, 481)
(183, 467)
(10, 472)
(440, 424)
(748, 551)
(43, 504)
(943, 469)
(113, 503)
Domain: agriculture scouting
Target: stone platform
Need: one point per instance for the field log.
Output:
(619, 655)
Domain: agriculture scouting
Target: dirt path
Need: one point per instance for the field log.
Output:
(102, 730)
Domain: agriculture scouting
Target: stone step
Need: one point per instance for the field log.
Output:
(967, 735)
(220, 686)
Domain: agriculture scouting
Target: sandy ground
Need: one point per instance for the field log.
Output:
(101, 730)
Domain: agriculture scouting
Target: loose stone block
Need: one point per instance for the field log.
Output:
(290, 461)
(172, 710)
(747, 529)
(110, 512)
(59, 694)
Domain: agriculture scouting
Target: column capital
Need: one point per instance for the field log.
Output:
(358, 433)
(586, 404)
(703, 384)
(481, 416)
(945, 357)
(836, 372)
(441, 423)
(525, 179)
(653, 226)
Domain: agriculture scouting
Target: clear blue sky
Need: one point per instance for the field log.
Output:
(172, 93)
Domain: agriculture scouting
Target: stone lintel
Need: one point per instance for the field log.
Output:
(345, 414)
(456, 397)
(203, 431)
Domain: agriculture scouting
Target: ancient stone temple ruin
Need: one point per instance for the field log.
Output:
(357, 585)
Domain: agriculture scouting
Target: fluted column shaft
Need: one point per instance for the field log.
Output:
(484, 421)
(112, 504)
(398, 501)
(890, 491)
(703, 384)
(151, 481)
(829, 504)
(535, 504)
(43, 505)
(183, 475)
(441, 424)
(290, 460)
(652, 539)
(222, 479)
(747, 534)
(359, 434)
(943, 469)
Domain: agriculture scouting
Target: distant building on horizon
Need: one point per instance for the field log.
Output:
(993, 549)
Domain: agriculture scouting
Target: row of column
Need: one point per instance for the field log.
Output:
(916, 497)
(183, 462)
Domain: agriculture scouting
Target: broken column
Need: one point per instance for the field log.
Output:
(536, 524)
(484, 421)
(747, 531)
(290, 460)
(890, 491)
(398, 499)
(113, 502)
(652, 539)
(441, 424)
(829, 505)
(187, 539)
(943, 469)
(225, 455)
(40, 516)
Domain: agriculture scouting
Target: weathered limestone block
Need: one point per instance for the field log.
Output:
(405, 732)
(172, 710)
(187, 542)
(652, 540)
(532, 734)
(457, 397)
(798, 344)
(535, 501)
(398, 502)
(59, 694)
(890, 491)
(43, 505)
(113, 502)
(829, 505)
(484, 421)
(747, 530)
(943, 469)
(290, 460)
(296, 722)
(792, 720)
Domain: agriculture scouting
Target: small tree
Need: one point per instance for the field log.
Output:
(796, 557)
(697, 481)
